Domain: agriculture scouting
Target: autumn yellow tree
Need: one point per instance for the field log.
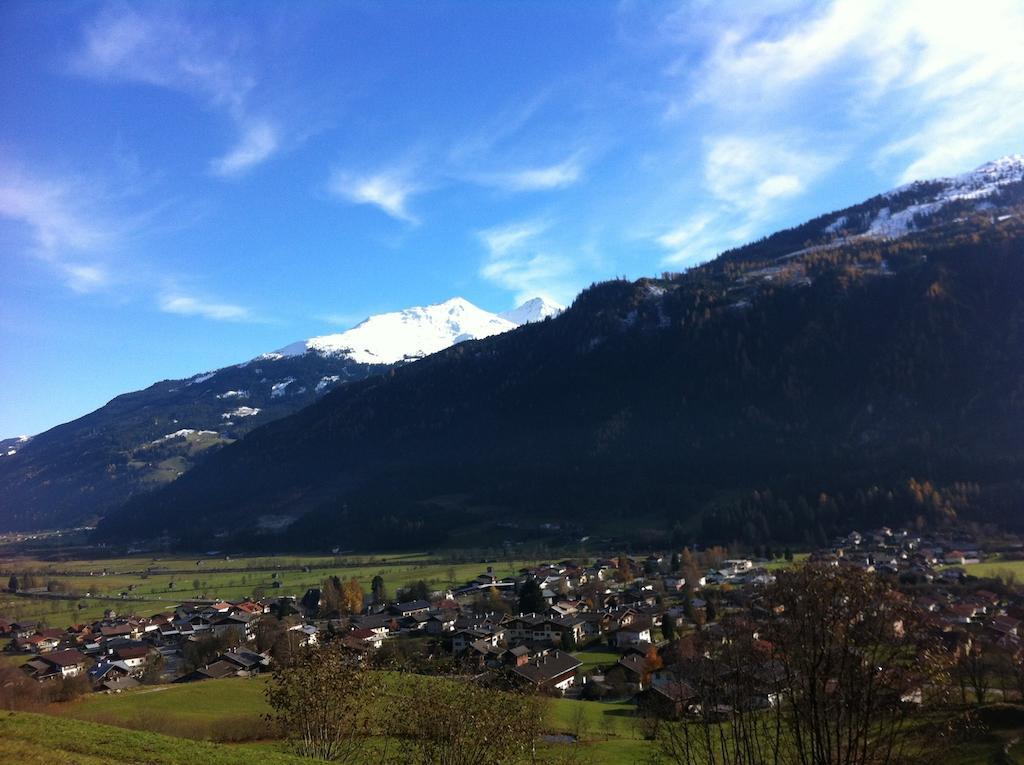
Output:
(352, 596)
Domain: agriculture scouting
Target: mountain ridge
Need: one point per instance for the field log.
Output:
(774, 392)
(73, 473)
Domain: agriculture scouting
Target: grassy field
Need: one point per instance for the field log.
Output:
(233, 709)
(995, 567)
(31, 739)
(597, 657)
(151, 587)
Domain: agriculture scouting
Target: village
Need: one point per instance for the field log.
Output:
(611, 629)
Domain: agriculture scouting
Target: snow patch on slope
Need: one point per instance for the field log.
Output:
(326, 382)
(279, 389)
(242, 411)
(978, 184)
(185, 432)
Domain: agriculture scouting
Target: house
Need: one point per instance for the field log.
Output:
(108, 671)
(309, 634)
(240, 626)
(632, 635)
(132, 656)
(57, 665)
(553, 629)
(215, 671)
(667, 700)
(555, 671)
(410, 608)
(441, 623)
(367, 636)
(629, 670)
(249, 662)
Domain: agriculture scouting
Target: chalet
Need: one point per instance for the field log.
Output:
(410, 608)
(667, 700)
(107, 671)
(464, 638)
(132, 656)
(629, 671)
(632, 635)
(240, 626)
(1005, 625)
(441, 623)
(57, 665)
(367, 636)
(517, 657)
(215, 671)
(546, 628)
(308, 634)
(381, 624)
(555, 671)
(23, 629)
(248, 662)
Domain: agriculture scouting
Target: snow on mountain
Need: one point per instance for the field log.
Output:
(279, 389)
(533, 310)
(412, 333)
(977, 184)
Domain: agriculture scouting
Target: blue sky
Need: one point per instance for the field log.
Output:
(186, 185)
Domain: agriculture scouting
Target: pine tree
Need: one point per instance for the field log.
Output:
(668, 627)
(531, 598)
(377, 588)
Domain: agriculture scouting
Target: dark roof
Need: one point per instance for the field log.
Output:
(544, 669)
(218, 669)
(244, 659)
(65, 658)
(412, 605)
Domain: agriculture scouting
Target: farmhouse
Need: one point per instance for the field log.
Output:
(554, 671)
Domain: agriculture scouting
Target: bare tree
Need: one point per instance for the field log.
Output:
(323, 703)
(834, 675)
(458, 722)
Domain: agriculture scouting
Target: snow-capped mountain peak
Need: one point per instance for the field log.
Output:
(415, 332)
(909, 207)
(536, 309)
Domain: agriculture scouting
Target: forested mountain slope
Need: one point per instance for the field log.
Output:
(767, 394)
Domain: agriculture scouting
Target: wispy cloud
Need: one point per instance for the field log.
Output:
(68, 233)
(747, 179)
(188, 305)
(946, 80)
(543, 178)
(259, 140)
(388, 190)
(519, 260)
(157, 46)
(750, 173)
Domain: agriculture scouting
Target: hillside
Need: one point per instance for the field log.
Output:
(76, 472)
(771, 393)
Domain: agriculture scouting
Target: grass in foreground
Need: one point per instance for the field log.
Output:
(32, 739)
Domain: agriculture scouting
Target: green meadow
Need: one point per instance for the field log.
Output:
(154, 584)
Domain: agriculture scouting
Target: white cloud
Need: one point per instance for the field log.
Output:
(390, 191)
(83, 277)
(158, 47)
(747, 179)
(750, 173)
(942, 82)
(65, 225)
(519, 261)
(557, 176)
(258, 141)
(186, 305)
